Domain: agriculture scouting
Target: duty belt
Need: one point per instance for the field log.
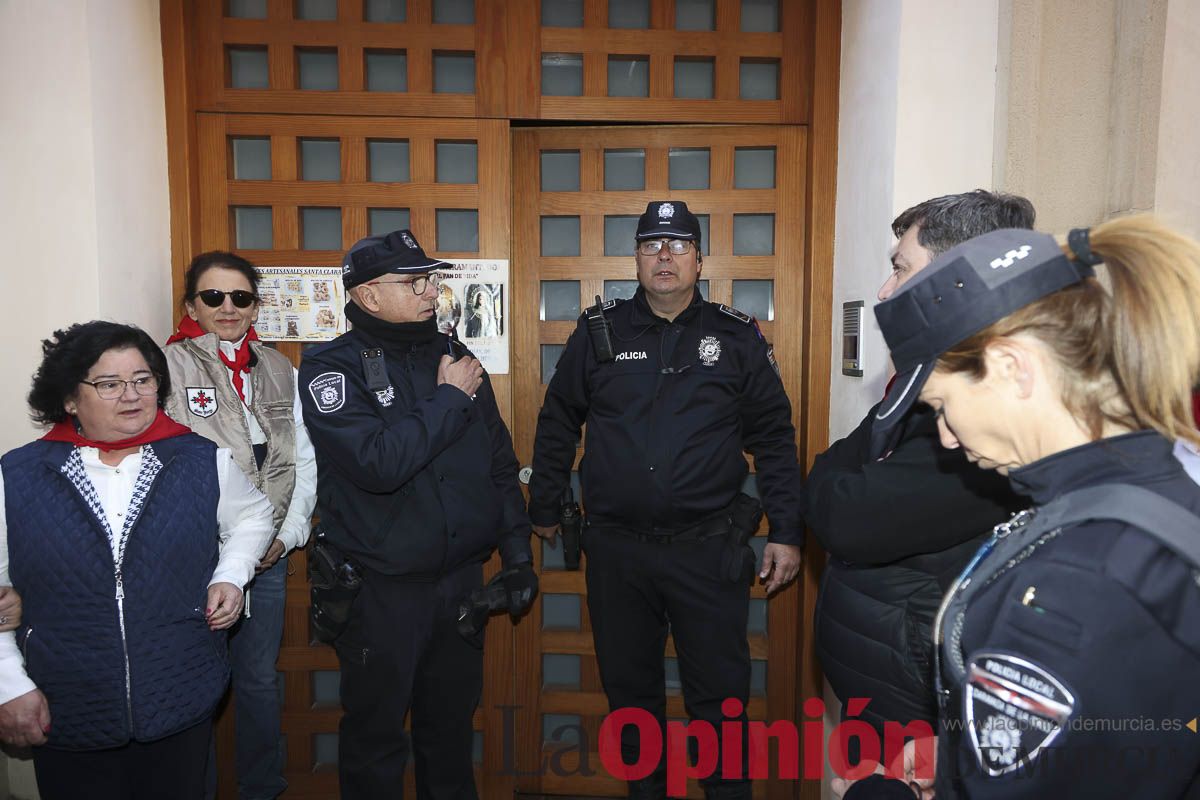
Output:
(716, 525)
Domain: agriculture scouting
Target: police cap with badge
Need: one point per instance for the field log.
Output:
(397, 252)
(668, 219)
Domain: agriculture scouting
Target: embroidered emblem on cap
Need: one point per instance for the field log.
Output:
(1014, 709)
(346, 269)
(386, 396)
(1011, 257)
(710, 350)
(202, 400)
(408, 240)
(666, 211)
(328, 391)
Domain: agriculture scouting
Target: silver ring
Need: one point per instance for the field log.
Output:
(3, 620)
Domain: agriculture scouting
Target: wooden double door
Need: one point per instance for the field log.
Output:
(560, 204)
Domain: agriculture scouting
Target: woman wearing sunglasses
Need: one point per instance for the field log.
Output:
(230, 388)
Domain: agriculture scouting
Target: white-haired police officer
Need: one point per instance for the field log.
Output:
(417, 486)
(673, 390)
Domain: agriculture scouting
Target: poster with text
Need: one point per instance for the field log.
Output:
(300, 304)
(473, 302)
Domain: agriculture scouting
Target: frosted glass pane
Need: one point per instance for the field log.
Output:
(560, 299)
(454, 12)
(560, 170)
(758, 615)
(703, 287)
(458, 230)
(247, 9)
(326, 683)
(552, 558)
(316, 9)
(454, 73)
(387, 72)
(560, 728)
(629, 13)
(750, 486)
(687, 167)
(628, 76)
(757, 544)
(562, 74)
(624, 170)
(703, 220)
(252, 159)
(560, 671)
(325, 748)
(671, 675)
(561, 611)
(252, 228)
(753, 234)
(618, 235)
(321, 228)
(759, 80)
(619, 290)
(385, 11)
(754, 168)
(476, 747)
(562, 13)
(695, 15)
(248, 68)
(388, 161)
(560, 237)
(318, 70)
(760, 16)
(758, 676)
(755, 298)
(694, 78)
(457, 162)
(385, 220)
(320, 160)
(550, 354)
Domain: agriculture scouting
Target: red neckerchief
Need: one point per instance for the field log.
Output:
(163, 427)
(190, 329)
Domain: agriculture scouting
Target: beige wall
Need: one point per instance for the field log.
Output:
(84, 206)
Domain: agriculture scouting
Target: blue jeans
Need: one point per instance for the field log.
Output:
(253, 651)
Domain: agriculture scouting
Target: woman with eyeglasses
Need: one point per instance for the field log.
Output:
(230, 388)
(129, 538)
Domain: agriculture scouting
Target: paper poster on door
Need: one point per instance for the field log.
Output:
(300, 304)
(473, 302)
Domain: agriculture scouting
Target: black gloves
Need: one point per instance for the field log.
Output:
(521, 586)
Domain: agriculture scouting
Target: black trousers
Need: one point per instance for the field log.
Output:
(637, 591)
(402, 652)
(171, 767)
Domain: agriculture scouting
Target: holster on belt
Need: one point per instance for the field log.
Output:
(334, 582)
(745, 515)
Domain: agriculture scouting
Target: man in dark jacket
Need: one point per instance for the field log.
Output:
(900, 518)
(416, 486)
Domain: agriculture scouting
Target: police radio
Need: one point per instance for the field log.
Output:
(600, 331)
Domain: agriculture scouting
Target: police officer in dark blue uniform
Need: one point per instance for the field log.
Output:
(1070, 644)
(673, 390)
(417, 486)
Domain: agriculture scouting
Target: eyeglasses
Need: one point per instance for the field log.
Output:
(215, 298)
(112, 389)
(419, 284)
(650, 247)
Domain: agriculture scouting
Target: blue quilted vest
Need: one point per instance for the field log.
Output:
(120, 653)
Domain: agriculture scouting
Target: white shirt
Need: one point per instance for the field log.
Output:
(1188, 455)
(243, 525)
(297, 524)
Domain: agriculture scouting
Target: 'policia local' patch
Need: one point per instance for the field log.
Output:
(1014, 709)
(328, 391)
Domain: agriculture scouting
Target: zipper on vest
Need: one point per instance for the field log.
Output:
(124, 647)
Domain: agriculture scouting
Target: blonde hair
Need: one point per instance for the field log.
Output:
(1129, 357)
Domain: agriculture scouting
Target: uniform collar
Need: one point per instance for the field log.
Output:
(1140, 457)
(644, 315)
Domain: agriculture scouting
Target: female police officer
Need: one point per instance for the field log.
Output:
(1070, 645)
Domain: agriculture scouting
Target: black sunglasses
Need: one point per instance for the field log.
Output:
(213, 298)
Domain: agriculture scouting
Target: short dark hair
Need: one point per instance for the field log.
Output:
(952, 219)
(216, 258)
(70, 353)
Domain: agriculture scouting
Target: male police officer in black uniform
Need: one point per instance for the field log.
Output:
(688, 386)
(416, 487)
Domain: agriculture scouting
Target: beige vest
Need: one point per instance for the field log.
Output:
(203, 399)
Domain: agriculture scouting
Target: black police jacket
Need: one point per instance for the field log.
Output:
(898, 531)
(667, 423)
(1109, 614)
(415, 479)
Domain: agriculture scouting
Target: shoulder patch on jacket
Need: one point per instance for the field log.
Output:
(612, 303)
(328, 391)
(733, 312)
